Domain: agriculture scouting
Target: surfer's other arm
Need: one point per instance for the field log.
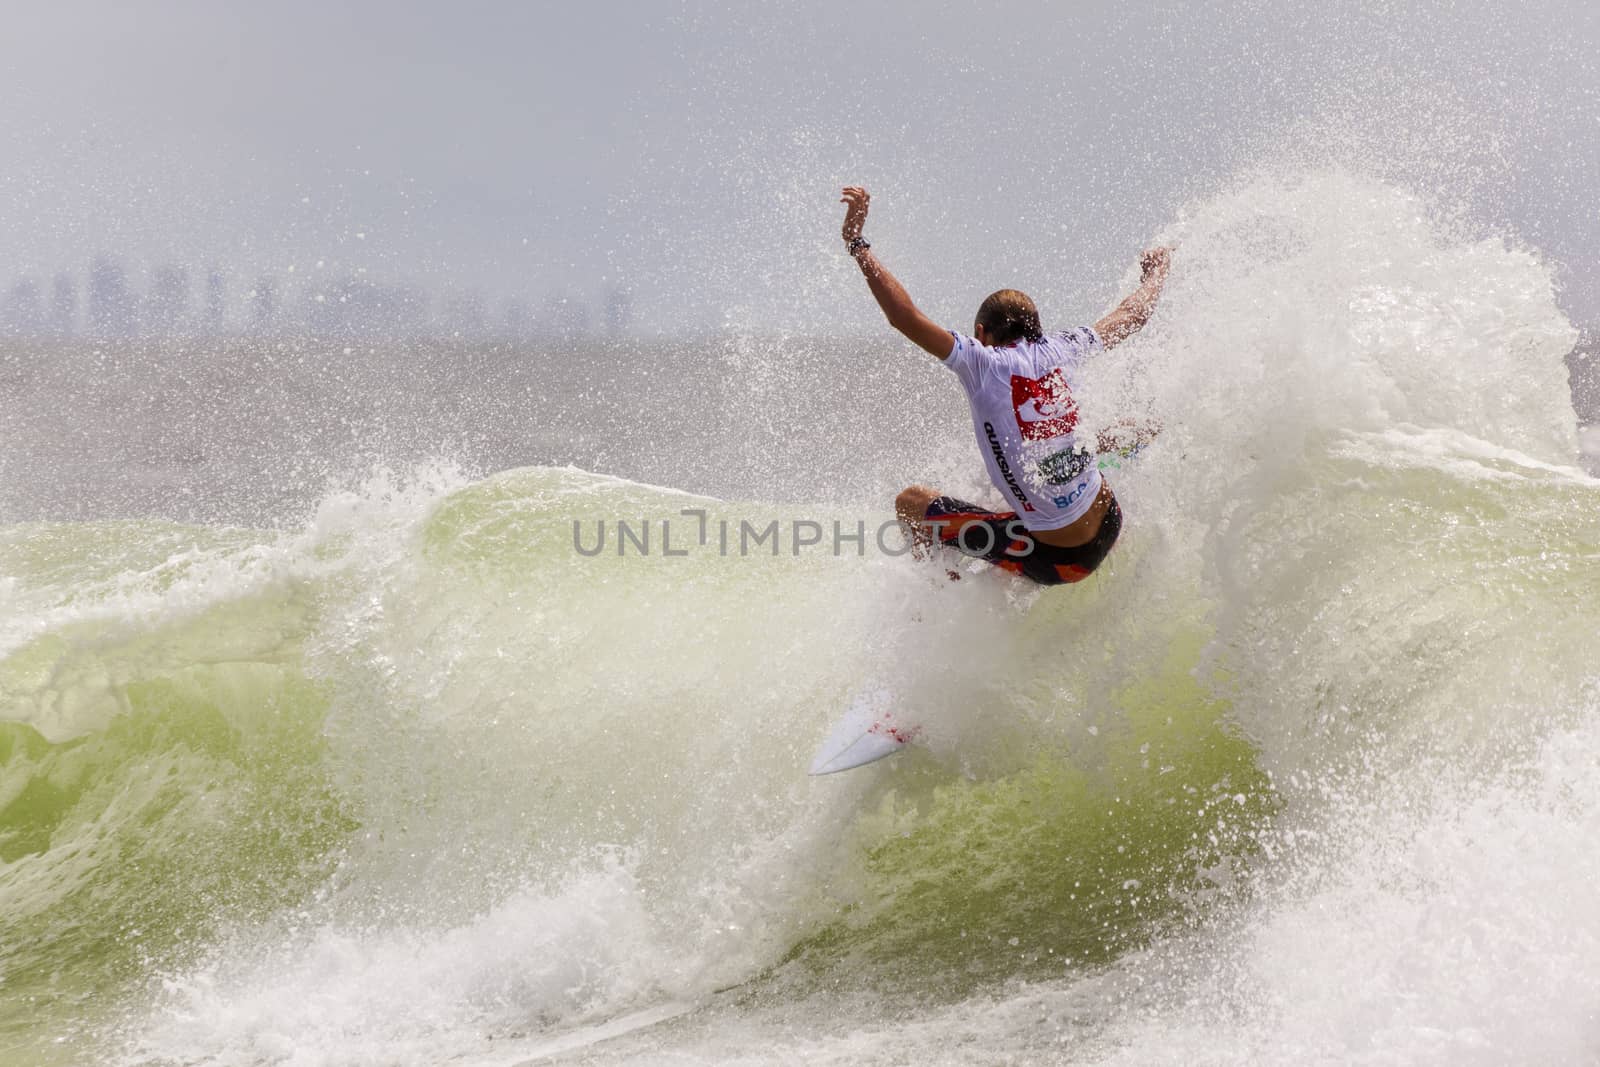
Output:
(1129, 317)
(898, 308)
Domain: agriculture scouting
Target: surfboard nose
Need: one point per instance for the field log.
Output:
(868, 731)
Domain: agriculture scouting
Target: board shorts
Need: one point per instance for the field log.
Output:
(1045, 564)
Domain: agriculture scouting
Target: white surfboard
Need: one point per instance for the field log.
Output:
(869, 731)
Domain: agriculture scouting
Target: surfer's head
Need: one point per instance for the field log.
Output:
(1006, 317)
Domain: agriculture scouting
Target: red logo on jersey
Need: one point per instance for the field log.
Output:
(1044, 406)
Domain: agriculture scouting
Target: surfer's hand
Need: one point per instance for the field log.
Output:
(855, 215)
(1155, 261)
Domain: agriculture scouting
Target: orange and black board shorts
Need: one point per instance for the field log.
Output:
(997, 536)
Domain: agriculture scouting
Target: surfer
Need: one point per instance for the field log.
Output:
(1018, 380)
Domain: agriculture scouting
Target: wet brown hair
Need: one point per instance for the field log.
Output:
(1008, 316)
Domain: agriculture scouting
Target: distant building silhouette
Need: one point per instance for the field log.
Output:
(462, 315)
(619, 312)
(64, 306)
(357, 307)
(168, 307)
(1583, 375)
(216, 301)
(110, 305)
(23, 312)
(516, 320)
(264, 306)
(565, 318)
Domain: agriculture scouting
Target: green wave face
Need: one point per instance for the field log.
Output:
(203, 805)
(1062, 864)
(231, 752)
(163, 775)
(219, 733)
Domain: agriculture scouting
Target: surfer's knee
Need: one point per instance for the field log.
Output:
(912, 503)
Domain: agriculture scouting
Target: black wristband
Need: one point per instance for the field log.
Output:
(856, 244)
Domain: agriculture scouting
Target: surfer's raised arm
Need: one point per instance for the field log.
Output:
(898, 307)
(1129, 317)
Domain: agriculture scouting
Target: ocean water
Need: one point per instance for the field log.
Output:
(324, 745)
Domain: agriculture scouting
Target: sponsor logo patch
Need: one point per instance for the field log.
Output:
(1062, 467)
(1044, 406)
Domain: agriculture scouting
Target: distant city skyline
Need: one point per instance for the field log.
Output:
(107, 300)
(691, 152)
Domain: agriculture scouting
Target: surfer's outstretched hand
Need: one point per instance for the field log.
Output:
(855, 215)
(1155, 261)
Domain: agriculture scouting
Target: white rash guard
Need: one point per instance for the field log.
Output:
(1023, 415)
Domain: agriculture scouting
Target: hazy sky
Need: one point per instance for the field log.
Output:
(691, 152)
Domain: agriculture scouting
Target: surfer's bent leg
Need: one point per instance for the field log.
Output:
(911, 508)
(998, 537)
(931, 518)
